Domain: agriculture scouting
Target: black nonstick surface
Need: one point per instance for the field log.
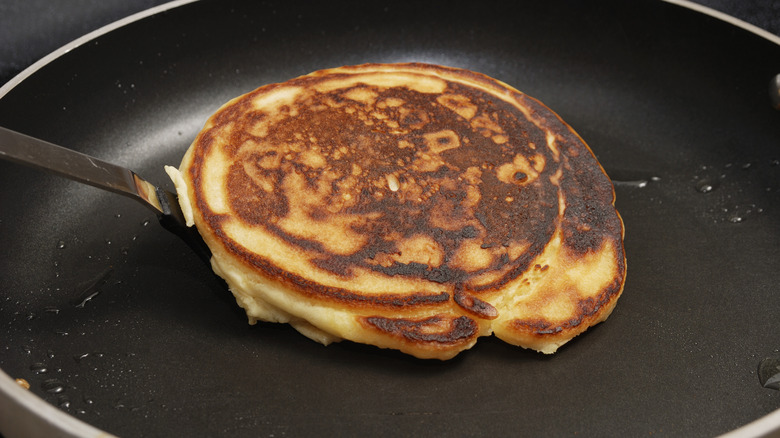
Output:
(114, 320)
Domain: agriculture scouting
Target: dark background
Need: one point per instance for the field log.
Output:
(31, 29)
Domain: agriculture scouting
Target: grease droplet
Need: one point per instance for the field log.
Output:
(640, 184)
(39, 368)
(52, 386)
(705, 186)
(769, 373)
(92, 288)
(735, 219)
(88, 298)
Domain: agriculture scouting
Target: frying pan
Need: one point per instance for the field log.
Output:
(116, 324)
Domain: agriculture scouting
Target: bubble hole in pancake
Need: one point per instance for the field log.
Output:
(408, 206)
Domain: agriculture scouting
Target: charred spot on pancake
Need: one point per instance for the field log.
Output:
(474, 305)
(537, 326)
(469, 232)
(438, 329)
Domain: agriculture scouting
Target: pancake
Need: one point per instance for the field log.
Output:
(408, 206)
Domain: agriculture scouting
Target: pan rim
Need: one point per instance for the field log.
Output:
(706, 10)
(29, 407)
(29, 71)
(25, 413)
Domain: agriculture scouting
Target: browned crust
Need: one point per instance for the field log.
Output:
(529, 219)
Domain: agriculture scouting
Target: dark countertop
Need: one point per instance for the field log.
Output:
(31, 29)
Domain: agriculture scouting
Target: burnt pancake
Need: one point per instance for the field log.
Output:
(408, 206)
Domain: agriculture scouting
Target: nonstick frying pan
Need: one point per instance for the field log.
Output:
(115, 322)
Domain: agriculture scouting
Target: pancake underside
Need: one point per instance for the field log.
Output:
(407, 206)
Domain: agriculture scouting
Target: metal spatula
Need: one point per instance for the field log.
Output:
(23, 149)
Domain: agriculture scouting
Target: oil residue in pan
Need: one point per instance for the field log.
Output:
(59, 371)
(724, 187)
